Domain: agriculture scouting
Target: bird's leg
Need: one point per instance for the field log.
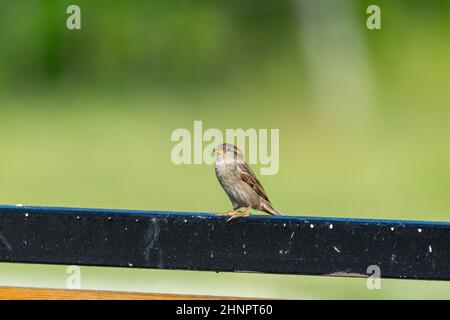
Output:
(227, 213)
(239, 214)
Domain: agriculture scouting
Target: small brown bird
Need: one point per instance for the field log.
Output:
(240, 183)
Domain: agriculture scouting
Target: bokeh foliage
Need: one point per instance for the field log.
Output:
(364, 118)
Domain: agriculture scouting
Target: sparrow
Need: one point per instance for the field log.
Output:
(240, 183)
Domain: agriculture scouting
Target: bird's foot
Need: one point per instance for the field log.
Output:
(227, 213)
(238, 214)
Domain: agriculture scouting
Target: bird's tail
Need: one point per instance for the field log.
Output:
(267, 207)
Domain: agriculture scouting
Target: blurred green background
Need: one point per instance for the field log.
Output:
(364, 118)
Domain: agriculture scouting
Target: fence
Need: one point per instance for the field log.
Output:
(204, 241)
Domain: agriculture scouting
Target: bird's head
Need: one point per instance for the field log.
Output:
(229, 152)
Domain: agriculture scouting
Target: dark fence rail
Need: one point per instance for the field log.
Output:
(203, 241)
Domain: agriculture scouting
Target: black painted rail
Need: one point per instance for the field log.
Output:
(203, 241)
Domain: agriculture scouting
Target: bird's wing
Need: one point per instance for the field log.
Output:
(249, 178)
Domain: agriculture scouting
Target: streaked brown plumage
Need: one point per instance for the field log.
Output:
(240, 183)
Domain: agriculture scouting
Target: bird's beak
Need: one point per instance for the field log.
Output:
(219, 151)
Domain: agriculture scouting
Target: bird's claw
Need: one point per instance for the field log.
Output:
(226, 213)
(238, 214)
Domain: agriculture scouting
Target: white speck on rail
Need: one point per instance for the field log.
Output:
(331, 226)
(419, 230)
(311, 226)
(392, 228)
(430, 249)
